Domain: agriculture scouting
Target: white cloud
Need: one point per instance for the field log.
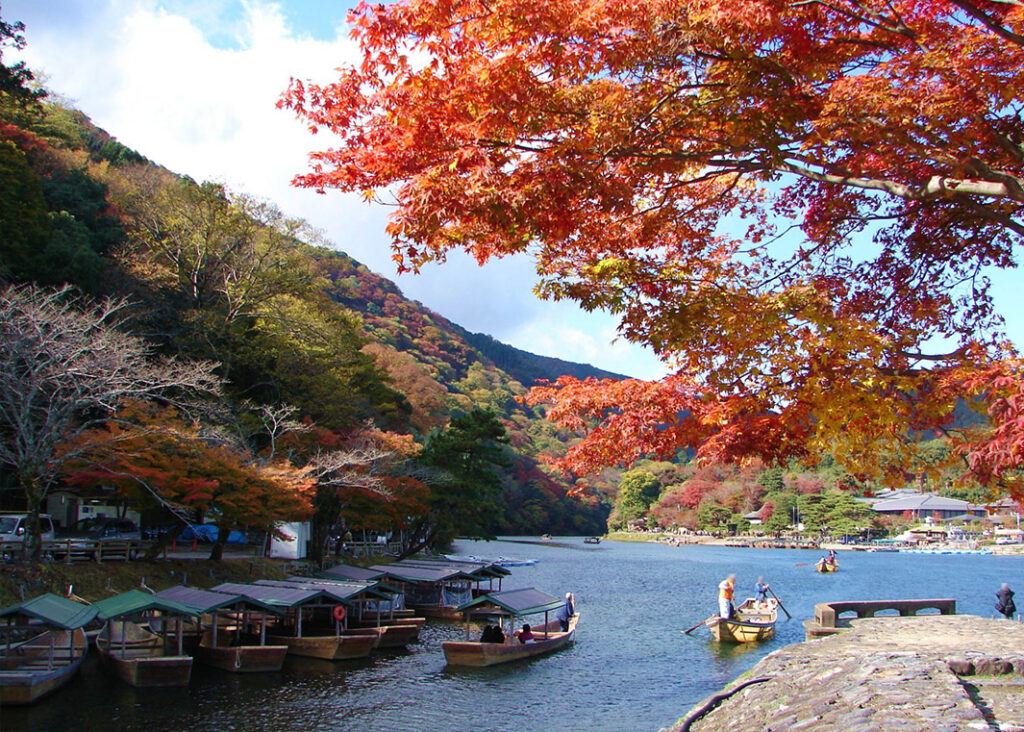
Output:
(168, 85)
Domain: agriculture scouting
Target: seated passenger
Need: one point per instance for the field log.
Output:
(525, 635)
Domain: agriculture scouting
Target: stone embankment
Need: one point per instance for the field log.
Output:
(934, 673)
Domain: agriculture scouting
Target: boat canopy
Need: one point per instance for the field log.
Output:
(52, 610)
(405, 573)
(136, 602)
(281, 597)
(348, 572)
(209, 601)
(525, 601)
(378, 585)
(343, 592)
(482, 570)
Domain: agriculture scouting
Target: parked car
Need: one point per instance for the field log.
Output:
(13, 527)
(88, 531)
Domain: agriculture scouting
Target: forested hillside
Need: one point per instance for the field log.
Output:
(331, 387)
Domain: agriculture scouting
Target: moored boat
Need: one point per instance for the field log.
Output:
(44, 644)
(508, 606)
(312, 623)
(132, 652)
(592, 540)
(752, 621)
(224, 645)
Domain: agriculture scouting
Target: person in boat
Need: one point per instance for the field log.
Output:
(492, 634)
(831, 556)
(761, 591)
(1005, 604)
(566, 611)
(525, 635)
(726, 588)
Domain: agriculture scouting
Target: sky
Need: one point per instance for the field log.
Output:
(192, 85)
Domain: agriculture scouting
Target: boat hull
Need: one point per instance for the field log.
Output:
(825, 567)
(471, 653)
(751, 623)
(328, 647)
(241, 659)
(27, 678)
(141, 660)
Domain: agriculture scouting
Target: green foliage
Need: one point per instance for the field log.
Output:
(466, 492)
(24, 220)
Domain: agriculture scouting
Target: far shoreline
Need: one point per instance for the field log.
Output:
(755, 541)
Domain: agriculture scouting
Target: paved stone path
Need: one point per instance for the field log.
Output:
(940, 673)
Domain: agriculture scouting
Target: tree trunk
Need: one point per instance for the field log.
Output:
(217, 552)
(33, 543)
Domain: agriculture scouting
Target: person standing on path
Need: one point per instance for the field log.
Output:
(1005, 604)
(725, 591)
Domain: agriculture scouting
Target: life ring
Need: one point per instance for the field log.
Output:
(339, 612)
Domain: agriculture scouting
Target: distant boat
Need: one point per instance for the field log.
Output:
(499, 561)
(45, 662)
(546, 537)
(751, 622)
(825, 566)
(592, 540)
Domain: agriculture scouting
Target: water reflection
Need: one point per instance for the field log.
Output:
(631, 669)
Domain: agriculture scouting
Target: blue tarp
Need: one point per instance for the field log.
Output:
(209, 532)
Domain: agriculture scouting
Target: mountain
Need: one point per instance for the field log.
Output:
(217, 275)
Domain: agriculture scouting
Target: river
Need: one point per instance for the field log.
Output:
(631, 669)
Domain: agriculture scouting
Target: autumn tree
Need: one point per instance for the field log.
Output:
(66, 368)
(794, 204)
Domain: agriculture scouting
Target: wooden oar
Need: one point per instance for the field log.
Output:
(800, 564)
(788, 616)
(690, 630)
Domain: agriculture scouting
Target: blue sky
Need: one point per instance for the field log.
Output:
(192, 85)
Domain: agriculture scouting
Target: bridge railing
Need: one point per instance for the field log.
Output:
(829, 616)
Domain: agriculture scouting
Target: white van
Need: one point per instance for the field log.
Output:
(13, 527)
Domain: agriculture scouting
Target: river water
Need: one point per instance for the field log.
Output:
(632, 668)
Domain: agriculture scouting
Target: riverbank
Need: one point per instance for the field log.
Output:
(93, 581)
(754, 541)
(941, 673)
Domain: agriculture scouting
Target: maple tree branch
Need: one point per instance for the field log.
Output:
(938, 186)
(985, 19)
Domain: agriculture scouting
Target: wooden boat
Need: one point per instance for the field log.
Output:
(140, 658)
(511, 605)
(394, 634)
(222, 653)
(824, 565)
(39, 665)
(313, 622)
(327, 646)
(752, 621)
(224, 644)
(133, 652)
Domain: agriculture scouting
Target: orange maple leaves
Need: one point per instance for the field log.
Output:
(792, 203)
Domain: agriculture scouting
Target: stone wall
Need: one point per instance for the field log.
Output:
(933, 672)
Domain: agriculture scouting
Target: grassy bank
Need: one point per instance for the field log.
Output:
(93, 581)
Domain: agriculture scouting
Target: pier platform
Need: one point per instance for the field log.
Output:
(941, 673)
